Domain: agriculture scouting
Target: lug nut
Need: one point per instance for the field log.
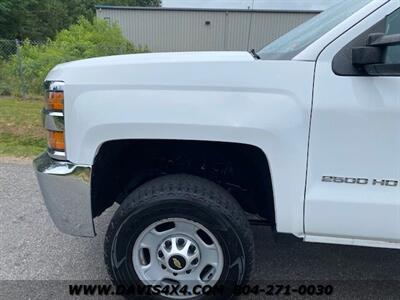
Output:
(181, 242)
(192, 250)
(168, 244)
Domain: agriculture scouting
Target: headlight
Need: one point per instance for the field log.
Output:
(54, 100)
(53, 118)
(56, 140)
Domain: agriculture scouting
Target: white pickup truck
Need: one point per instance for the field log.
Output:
(303, 135)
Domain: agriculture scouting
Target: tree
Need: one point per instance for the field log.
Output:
(5, 7)
(9, 20)
(41, 19)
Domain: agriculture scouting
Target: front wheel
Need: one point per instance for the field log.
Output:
(180, 231)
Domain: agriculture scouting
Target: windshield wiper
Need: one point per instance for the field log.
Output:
(255, 55)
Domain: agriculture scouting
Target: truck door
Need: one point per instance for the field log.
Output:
(353, 185)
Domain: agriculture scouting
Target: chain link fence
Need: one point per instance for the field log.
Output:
(10, 52)
(7, 48)
(24, 64)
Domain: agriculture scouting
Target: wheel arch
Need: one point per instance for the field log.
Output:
(120, 166)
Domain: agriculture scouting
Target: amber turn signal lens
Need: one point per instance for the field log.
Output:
(56, 140)
(55, 101)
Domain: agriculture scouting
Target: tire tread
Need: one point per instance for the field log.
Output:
(197, 188)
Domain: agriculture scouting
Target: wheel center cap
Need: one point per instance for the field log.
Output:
(177, 262)
(178, 254)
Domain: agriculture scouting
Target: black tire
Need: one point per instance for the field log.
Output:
(181, 196)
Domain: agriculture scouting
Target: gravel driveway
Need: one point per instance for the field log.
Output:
(34, 255)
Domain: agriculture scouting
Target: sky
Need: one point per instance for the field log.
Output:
(258, 4)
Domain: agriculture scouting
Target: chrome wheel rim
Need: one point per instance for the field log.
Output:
(178, 251)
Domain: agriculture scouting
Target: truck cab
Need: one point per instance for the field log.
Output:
(301, 135)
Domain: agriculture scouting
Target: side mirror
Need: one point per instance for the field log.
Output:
(372, 56)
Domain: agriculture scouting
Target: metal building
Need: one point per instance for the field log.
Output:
(174, 29)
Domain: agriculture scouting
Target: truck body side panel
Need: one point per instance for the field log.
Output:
(236, 99)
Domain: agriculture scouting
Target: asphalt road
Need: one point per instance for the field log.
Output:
(36, 261)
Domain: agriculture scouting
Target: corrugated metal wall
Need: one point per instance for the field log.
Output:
(185, 30)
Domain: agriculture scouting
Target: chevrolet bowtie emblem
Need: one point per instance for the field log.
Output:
(177, 263)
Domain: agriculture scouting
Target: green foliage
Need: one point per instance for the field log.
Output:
(4, 89)
(42, 19)
(5, 8)
(26, 70)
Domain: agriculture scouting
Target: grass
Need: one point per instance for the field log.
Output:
(21, 131)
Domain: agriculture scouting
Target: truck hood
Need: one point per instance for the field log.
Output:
(148, 71)
(161, 58)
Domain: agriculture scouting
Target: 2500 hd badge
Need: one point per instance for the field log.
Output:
(361, 181)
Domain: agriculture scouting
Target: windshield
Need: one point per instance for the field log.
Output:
(295, 41)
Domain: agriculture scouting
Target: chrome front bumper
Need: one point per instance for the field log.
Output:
(66, 191)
